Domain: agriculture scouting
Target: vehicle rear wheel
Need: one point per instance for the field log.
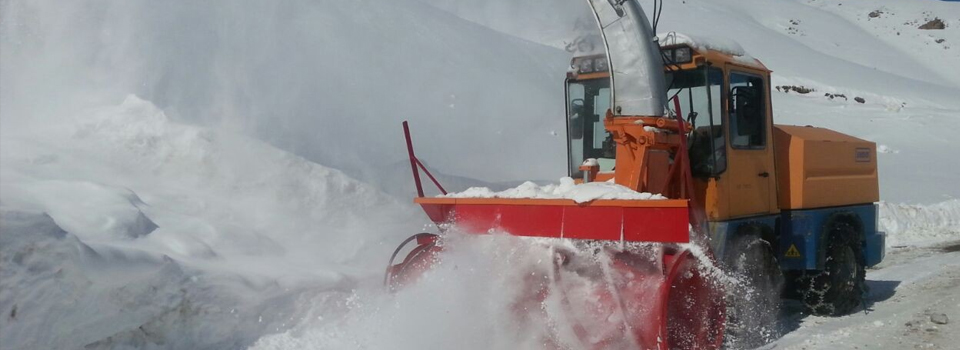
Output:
(753, 296)
(838, 289)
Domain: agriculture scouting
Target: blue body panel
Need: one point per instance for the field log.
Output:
(724, 231)
(804, 229)
(799, 234)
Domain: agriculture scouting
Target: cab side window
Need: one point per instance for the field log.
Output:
(747, 111)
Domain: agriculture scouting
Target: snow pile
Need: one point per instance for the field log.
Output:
(566, 189)
(918, 224)
(699, 43)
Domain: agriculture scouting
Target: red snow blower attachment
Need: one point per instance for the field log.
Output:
(654, 290)
(661, 297)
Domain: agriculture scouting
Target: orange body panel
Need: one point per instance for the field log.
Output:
(819, 167)
(710, 191)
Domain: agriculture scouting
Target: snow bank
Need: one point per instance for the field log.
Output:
(567, 189)
(911, 224)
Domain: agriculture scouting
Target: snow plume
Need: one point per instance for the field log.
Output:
(468, 300)
(487, 292)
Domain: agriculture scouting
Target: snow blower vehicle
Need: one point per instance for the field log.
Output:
(782, 210)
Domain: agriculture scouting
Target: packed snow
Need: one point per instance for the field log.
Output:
(724, 45)
(229, 175)
(566, 189)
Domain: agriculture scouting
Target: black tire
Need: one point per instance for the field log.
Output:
(838, 289)
(753, 292)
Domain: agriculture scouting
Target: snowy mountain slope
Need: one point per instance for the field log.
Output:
(897, 23)
(328, 80)
(550, 22)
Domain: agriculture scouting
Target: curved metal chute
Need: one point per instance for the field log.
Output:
(636, 68)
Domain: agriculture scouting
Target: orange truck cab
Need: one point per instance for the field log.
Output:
(808, 193)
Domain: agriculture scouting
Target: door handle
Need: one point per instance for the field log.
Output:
(764, 174)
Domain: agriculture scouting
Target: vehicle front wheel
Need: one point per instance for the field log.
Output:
(753, 293)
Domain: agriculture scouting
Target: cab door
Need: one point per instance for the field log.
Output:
(751, 179)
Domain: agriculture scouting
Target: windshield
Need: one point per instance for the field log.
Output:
(700, 105)
(587, 103)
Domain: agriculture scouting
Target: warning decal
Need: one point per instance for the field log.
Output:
(792, 252)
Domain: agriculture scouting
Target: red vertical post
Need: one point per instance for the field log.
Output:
(413, 159)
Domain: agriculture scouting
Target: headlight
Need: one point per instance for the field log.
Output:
(682, 55)
(592, 64)
(600, 64)
(667, 56)
(679, 55)
(586, 66)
